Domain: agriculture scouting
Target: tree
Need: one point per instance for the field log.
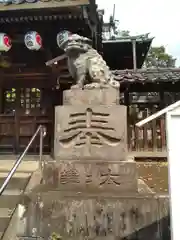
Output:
(158, 58)
(123, 33)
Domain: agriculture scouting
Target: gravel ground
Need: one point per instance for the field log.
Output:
(155, 174)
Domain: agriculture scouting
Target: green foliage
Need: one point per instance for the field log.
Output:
(55, 236)
(157, 57)
(123, 33)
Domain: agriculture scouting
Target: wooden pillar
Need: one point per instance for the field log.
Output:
(126, 102)
(161, 94)
(1, 100)
(134, 54)
(162, 122)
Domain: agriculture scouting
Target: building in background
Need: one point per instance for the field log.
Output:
(29, 90)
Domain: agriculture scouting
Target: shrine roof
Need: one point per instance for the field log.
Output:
(118, 53)
(148, 75)
(40, 4)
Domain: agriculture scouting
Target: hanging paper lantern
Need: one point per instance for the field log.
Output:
(6, 2)
(62, 37)
(5, 42)
(17, 1)
(31, 1)
(33, 41)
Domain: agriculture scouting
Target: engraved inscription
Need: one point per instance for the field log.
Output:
(69, 175)
(90, 132)
(95, 175)
(106, 218)
(89, 129)
(107, 177)
(88, 174)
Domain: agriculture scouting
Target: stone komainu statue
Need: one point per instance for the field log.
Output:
(85, 65)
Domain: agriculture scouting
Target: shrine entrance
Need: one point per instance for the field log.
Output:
(30, 89)
(22, 111)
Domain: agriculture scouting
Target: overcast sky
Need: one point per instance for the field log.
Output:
(159, 17)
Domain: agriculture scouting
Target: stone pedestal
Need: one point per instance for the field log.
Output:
(90, 126)
(90, 132)
(96, 97)
(91, 189)
(90, 145)
(96, 176)
(81, 217)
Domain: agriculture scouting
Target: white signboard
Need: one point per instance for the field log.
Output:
(173, 145)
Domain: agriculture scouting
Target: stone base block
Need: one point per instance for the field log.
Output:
(91, 176)
(100, 218)
(90, 132)
(98, 96)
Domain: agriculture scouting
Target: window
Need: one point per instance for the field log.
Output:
(30, 98)
(9, 100)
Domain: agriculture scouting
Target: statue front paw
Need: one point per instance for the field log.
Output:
(76, 86)
(92, 85)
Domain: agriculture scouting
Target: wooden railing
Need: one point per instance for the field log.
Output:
(151, 137)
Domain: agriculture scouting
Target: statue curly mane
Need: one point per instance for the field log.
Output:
(85, 64)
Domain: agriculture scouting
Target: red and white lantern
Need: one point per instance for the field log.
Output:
(5, 42)
(33, 41)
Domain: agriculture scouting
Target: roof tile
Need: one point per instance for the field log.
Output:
(148, 75)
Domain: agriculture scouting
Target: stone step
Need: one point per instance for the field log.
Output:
(25, 166)
(9, 201)
(27, 158)
(12, 194)
(4, 221)
(16, 182)
(6, 212)
(16, 175)
(5, 217)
